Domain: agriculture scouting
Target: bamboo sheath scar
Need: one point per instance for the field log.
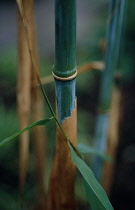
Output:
(61, 195)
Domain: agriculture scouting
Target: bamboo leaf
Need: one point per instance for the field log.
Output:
(96, 194)
(86, 149)
(37, 123)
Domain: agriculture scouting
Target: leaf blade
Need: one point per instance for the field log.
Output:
(91, 185)
(37, 123)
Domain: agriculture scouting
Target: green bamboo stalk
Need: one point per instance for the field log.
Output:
(122, 11)
(61, 194)
(108, 74)
(101, 131)
(116, 110)
(65, 39)
(65, 56)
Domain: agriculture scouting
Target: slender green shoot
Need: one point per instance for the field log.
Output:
(37, 123)
(113, 36)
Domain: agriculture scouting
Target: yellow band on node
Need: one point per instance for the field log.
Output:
(65, 78)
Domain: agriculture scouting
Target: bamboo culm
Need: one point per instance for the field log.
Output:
(61, 194)
(101, 128)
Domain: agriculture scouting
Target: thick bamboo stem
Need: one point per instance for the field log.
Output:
(61, 194)
(113, 138)
(23, 93)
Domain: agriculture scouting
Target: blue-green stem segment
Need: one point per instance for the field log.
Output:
(65, 56)
(65, 96)
(108, 74)
(65, 38)
(100, 142)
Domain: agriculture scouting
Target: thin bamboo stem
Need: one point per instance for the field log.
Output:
(101, 131)
(23, 95)
(110, 59)
(116, 112)
(113, 138)
(38, 133)
(26, 16)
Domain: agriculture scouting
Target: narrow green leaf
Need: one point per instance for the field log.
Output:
(37, 123)
(86, 149)
(96, 194)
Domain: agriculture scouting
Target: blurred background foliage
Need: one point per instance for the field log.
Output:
(91, 26)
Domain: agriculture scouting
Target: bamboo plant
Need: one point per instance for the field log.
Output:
(63, 172)
(62, 186)
(111, 59)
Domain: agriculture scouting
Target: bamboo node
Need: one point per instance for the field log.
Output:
(65, 78)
